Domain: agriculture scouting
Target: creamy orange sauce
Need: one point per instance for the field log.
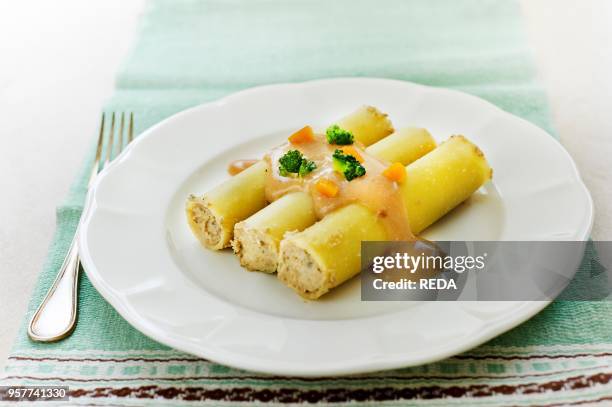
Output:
(372, 190)
(237, 166)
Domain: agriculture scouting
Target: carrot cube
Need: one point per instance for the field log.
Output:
(395, 172)
(303, 135)
(327, 188)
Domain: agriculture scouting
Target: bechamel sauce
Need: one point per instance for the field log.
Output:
(372, 190)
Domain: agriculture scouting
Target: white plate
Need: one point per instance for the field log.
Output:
(140, 255)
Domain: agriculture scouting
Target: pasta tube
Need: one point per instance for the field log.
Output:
(257, 239)
(404, 146)
(442, 180)
(368, 125)
(327, 254)
(212, 216)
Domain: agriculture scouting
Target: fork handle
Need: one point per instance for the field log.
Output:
(55, 318)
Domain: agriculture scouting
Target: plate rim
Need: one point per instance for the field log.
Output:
(492, 329)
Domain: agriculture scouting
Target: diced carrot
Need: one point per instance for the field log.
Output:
(395, 172)
(350, 150)
(303, 135)
(327, 188)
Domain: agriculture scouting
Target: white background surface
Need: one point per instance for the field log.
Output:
(57, 62)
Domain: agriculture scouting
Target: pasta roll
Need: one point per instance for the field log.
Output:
(212, 217)
(438, 182)
(368, 124)
(327, 254)
(257, 239)
(404, 146)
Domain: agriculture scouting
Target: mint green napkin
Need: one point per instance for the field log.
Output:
(190, 52)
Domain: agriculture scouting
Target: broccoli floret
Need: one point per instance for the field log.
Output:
(339, 136)
(293, 162)
(348, 165)
(290, 162)
(306, 167)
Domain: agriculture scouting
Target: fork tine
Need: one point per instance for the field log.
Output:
(109, 147)
(131, 128)
(120, 139)
(96, 164)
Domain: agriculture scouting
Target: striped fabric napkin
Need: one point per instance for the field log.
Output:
(190, 52)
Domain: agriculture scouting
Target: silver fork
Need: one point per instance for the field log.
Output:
(55, 317)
